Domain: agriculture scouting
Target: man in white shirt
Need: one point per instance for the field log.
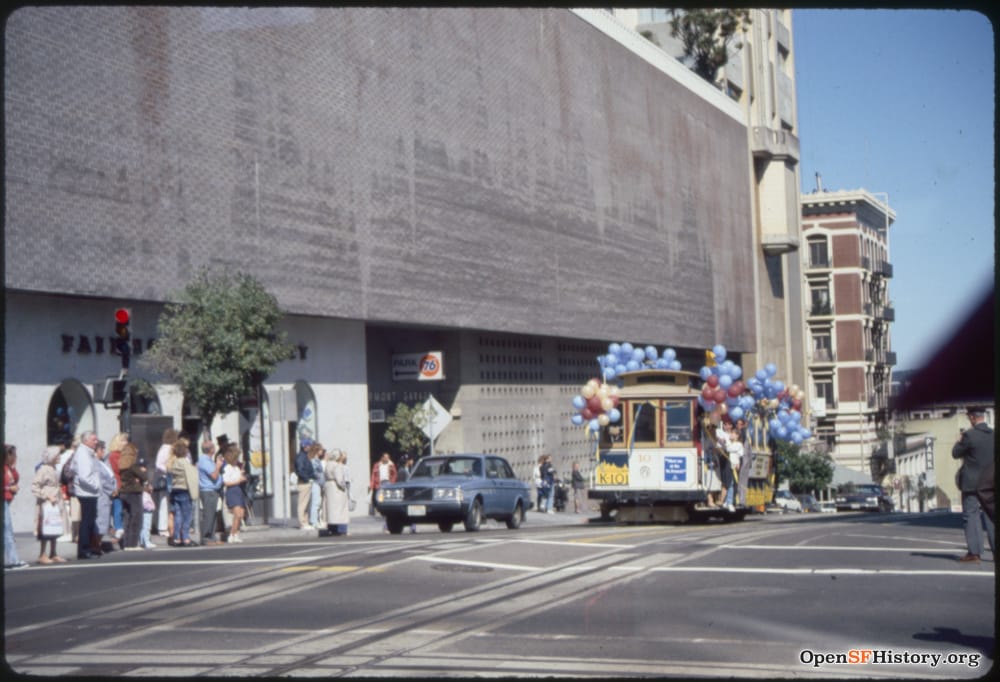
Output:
(86, 488)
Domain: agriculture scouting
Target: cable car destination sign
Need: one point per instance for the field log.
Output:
(427, 366)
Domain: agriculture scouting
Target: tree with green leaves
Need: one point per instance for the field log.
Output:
(706, 35)
(405, 429)
(219, 341)
(806, 472)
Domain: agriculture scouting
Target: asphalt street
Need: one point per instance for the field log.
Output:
(774, 596)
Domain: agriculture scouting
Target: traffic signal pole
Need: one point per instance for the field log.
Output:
(123, 344)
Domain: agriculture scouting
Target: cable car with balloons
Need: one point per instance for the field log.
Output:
(675, 446)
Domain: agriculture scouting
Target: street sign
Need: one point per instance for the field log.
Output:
(437, 419)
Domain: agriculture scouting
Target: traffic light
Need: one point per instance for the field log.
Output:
(123, 336)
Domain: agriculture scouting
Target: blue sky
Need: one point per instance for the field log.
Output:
(902, 101)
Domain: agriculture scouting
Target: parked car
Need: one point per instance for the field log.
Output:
(787, 501)
(809, 503)
(864, 497)
(450, 489)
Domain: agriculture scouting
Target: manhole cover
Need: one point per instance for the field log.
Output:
(461, 568)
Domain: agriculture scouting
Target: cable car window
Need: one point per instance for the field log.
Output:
(644, 424)
(678, 421)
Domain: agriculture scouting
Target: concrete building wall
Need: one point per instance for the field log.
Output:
(45, 338)
(481, 168)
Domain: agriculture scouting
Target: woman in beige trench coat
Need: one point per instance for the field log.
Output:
(337, 492)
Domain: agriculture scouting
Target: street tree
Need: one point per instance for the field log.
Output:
(805, 471)
(219, 341)
(405, 429)
(706, 35)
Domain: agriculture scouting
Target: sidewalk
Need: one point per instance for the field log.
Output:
(287, 530)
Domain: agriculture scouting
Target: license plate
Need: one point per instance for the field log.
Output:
(855, 506)
(416, 510)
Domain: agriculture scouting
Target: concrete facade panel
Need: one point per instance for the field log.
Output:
(476, 168)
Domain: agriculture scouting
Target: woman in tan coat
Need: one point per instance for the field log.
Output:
(338, 493)
(45, 488)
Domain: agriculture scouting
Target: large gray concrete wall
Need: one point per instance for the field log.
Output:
(505, 169)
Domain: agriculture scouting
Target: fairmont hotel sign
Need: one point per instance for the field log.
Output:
(84, 344)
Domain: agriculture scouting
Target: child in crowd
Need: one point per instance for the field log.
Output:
(148, 507)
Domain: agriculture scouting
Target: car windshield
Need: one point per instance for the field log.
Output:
(432, 467)
(869, 490)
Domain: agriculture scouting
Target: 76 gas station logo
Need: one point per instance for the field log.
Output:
(430, 367)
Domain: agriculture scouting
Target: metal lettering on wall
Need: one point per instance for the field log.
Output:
(84, 344)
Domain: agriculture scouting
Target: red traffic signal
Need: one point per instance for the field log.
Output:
(122, 337)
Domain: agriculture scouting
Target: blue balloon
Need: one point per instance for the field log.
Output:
(720, 352)
(725, 381)
(611, 359)
(627, 349)
(675, 364)
(579, 402)
(615, 414)
(614, 349)
(638, 355)
(737, 372)
(762, 375)
(670, 354)
(774, 424)
(797, 438)
(771, 369)
(782, 433)
(610, 373)
(660, 363)
(705, 373)
(632, 365)
(594, 425)
(651, 353)
(620, 368)
(779, 386)
(577, 419)
(736, 413)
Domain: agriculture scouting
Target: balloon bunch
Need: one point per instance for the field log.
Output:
(760, 395)
(723, 387)
(780, 405)
(624, 357)
(597, 405)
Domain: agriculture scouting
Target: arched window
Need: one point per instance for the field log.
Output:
(306, 426)
(70, 412)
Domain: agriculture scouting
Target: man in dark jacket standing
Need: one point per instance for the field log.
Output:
(975, 449)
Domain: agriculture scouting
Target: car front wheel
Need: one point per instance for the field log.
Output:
(474, 517)
(394, 524)
(445, 526)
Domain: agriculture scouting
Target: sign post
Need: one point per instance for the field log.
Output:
(437, 416)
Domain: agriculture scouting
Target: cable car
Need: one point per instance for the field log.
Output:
(656, 463)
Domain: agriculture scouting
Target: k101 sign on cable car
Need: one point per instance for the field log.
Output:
(427, 366)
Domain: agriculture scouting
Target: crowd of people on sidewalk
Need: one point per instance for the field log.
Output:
(551, 491)
(104, 497)
(324, 489)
